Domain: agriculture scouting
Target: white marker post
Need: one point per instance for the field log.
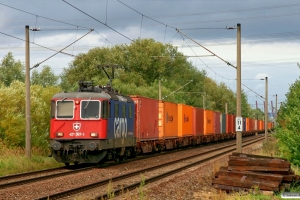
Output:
(238, 124)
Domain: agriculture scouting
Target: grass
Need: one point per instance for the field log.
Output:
(13, 160)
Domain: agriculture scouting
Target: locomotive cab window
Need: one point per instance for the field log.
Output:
(90, 109)
(64, 109)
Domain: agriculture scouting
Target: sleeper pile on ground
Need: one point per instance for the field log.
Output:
(246, 171)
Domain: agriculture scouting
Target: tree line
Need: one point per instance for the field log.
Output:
(138, 69)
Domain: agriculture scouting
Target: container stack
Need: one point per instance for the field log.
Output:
(246, 171)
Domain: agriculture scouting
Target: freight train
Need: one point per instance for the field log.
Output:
(96, 124)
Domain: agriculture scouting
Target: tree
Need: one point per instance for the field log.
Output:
(142, 64)
(11, 70)
(288, 123)
(44, 78)
(12, 114)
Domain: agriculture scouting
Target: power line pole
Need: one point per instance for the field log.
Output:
(275, 122)
(266, 111)
(27, 89)
(238, 91)
(159, 89)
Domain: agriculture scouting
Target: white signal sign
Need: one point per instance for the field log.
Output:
(238, 124)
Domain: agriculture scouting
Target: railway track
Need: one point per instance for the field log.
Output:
(130, 181)
(35, 176)
(29, 177)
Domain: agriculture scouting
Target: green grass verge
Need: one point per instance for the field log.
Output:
(14, 160)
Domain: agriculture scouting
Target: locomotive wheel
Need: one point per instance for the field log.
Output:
(117, 159)
(133, 153)
(101, 163)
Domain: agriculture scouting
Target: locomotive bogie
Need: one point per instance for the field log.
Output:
(78, 151)
(89, 151)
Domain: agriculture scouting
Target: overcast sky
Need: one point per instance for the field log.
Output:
(270, 31)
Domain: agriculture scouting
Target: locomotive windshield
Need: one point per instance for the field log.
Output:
(64, 109)
(90, 109)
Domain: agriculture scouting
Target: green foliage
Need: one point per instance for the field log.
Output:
(288, 123)
(13, 160)
(142, 193)
(140, 66)
(12, 113)
(40, 113)
(11, 70)
(217, 95)
(44, 78)
(257, 114)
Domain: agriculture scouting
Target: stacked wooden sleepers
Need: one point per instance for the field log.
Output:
(246, 171)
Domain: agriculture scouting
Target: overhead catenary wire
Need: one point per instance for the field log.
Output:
(228, 63)
(36, 65)
(205, 13)
(181, 33)
(202, 60)
(83, 28)
(145, 15)
(253, 91)
(37, 44)
(231, 11)
(97, 20)
(43, 17)
(149, 18)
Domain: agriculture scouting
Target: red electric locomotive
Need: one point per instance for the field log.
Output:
(91, 125)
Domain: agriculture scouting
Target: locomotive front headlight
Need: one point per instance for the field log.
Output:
(94, 135)
(59, 134)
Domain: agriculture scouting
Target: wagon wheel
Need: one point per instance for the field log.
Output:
(133, 153)
(159, 147)
(117, 159)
